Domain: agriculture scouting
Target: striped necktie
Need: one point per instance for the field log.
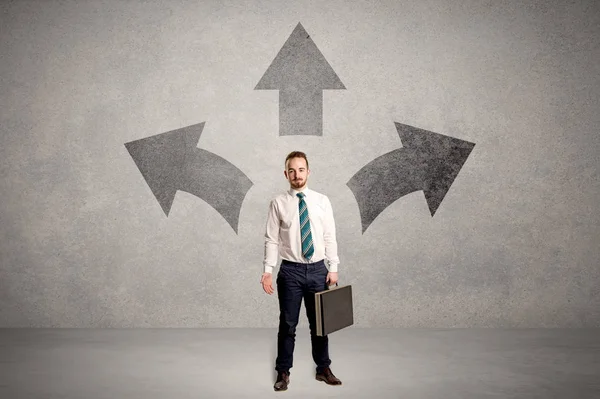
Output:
(307, 242)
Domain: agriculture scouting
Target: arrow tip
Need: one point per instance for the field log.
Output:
(160, 160)
(299, 28)
(444, 156)
(300, 64)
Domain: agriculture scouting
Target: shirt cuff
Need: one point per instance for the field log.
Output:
(268, 269)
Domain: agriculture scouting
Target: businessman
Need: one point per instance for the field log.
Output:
(300, 229)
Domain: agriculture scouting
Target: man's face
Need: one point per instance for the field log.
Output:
(297, 173)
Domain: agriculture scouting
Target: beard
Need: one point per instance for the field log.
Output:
(298, 183)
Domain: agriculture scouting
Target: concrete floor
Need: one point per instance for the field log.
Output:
(238, 363)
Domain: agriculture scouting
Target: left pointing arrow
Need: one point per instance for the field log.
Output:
(171, 161)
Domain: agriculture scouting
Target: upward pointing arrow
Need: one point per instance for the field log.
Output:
(300, 73)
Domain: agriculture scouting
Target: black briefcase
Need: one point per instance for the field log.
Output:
(334, 309)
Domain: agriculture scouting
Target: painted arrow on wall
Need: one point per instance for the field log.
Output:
(300, 73)
(171, 161)
(427, 161)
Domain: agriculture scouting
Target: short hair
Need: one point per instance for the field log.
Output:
(296, 154)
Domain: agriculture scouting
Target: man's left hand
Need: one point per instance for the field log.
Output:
(332, 278)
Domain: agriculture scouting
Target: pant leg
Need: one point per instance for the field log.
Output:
(290, 283)
(316, 281)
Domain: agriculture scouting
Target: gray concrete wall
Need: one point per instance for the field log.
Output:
(84, 241)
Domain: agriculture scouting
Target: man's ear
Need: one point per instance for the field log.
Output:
(285, 174)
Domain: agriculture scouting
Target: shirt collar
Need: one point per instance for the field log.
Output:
(293, 192)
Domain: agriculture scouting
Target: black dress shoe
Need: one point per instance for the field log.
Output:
(327, 376)
(283, 379)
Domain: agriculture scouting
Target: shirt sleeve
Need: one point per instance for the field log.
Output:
(331, 250)
(271, 239)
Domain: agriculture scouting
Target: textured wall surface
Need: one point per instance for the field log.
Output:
(84, 241)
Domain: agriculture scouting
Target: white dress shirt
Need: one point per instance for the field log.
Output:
(282, 235)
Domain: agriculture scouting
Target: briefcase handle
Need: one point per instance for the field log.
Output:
(330, 286)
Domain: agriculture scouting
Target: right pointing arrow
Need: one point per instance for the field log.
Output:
(428, 161)
(300, 73)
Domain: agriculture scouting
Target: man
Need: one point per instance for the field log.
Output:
(301, 230)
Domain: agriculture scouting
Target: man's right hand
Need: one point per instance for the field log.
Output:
(267, 282)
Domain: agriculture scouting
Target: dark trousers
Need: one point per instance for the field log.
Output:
(297, 281)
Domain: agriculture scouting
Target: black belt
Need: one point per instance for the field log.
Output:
(287, 262)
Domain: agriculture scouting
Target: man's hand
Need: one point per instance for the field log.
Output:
(267, 282)
(332, 278)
